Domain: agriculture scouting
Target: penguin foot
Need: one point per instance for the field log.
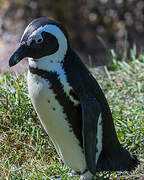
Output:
(82, 178)
(86, 176)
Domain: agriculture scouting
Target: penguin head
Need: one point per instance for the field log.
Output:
(42, 37)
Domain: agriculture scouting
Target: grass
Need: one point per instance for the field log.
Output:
(26, 151)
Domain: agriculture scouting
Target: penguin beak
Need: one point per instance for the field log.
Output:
(18, 55)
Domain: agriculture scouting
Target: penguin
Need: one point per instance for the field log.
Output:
(69, 102)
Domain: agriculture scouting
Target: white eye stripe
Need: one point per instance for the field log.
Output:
(36, 37)
(58, 56)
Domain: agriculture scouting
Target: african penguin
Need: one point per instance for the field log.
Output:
(69, 102)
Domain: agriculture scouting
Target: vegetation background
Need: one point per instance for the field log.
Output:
(118, 22)
(104, 32)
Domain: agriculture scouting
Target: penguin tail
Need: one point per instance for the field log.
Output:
(117, 160)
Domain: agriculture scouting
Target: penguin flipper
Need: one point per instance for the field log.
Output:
(91, 112)
(113, 156)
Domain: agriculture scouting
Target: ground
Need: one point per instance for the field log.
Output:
(25, 149)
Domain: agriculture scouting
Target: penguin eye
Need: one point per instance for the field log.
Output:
(39, 41)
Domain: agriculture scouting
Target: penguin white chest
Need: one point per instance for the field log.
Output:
(54, 121)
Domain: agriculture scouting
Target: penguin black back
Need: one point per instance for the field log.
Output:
(113, 156)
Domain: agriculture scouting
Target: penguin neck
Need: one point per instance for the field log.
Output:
(47, 63)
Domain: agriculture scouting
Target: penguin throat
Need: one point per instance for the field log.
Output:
(46, 63)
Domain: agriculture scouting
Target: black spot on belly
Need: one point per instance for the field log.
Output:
(54, 109)
(73, 113)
